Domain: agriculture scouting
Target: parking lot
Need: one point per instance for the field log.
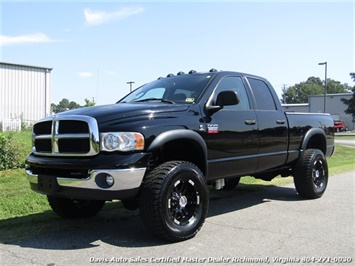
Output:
(269, 226)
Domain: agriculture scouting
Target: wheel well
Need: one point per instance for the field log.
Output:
(317, 142)
(185, 150)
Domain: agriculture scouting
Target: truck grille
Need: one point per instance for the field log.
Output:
(66, 136)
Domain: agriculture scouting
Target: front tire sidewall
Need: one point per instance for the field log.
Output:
(187, 176)
(174, 201)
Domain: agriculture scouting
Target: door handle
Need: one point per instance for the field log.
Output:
(281, 121)
(250, 122)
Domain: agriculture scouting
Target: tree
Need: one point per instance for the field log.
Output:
(350, 102)
(312, 86)
(73, 105)
(64, 105)
(89, 103)
(54, 108)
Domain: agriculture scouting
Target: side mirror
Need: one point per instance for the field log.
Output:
(227, 98)
(223, 98)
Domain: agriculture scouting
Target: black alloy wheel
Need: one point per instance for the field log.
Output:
(174, 200)
(311, 174)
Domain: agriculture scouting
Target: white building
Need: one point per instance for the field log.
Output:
(25, 92)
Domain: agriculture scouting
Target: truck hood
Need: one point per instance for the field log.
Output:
(106, 113)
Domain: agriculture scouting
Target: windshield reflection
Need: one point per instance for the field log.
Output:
(177, 89)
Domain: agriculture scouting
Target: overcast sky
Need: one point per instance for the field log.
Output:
(96, 47)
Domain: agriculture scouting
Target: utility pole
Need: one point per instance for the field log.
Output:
(325, 85)
(130, 85)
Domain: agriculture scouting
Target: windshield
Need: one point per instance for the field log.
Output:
(177, 89)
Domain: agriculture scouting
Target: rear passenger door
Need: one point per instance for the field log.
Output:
(272, 125)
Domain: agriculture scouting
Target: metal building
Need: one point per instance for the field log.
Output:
(334, 106)
(296, 107)
(25, 92)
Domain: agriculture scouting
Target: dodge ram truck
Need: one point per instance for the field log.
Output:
(162, 147)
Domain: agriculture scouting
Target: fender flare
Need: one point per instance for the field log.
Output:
(309, 134)
(176, 134)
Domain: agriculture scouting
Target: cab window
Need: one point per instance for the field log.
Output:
(233, 84)
(262, 94)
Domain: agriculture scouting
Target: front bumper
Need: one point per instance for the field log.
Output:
(52, 177)
(123, 179)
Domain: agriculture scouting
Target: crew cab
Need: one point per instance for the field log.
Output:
(161, 146)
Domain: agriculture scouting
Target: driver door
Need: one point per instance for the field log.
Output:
(232, 134)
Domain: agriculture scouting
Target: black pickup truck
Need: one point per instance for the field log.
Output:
(160, 147)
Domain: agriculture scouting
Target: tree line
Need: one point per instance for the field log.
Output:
(65, 105)
(350, 102)
(299, 92)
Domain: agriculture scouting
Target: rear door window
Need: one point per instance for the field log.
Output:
(263, 97)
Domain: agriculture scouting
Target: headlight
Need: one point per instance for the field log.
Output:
(121, 141)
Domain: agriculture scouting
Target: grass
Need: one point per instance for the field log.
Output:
(19, 144)
(16, 197)
(342, 161)
(345, 137)
(24, 213)
(23, 138)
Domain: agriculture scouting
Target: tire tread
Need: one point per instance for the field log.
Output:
(151, 192)
(303, 173)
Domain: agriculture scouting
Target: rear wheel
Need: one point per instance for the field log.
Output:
(311, 174)
(75, 208)
(174, 200)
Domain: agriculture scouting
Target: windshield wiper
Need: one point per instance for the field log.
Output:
(155, 99)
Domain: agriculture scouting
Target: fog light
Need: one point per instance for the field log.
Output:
(109, 180)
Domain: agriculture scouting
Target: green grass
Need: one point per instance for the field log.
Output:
(23, 138)
(20, 144)
(345, 137)
(16, 197)
(342, 161)
(24, 213)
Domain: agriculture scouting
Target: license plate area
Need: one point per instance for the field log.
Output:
(48, 184)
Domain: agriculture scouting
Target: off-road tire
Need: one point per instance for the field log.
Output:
(311, 174)
(75, 208)
(174, 200)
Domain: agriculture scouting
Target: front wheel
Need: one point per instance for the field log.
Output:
(75, 208)
(311, 174)
(174, 200)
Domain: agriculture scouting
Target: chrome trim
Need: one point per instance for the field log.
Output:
(124, 179)
(31, 177)
(55, 136)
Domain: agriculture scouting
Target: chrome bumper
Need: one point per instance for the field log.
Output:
(124, 179)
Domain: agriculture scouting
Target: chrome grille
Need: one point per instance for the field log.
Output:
(66, 136)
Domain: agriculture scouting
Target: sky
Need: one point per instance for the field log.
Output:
(96, 47)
